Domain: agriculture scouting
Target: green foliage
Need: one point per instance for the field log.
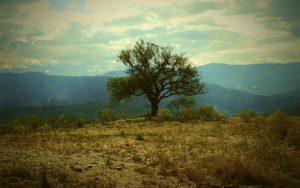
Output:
(20, 128)
(219, 116)
(34, 122)
(45, 126)
(60, 121)
(121, 88)
(247, 115)
(164, 114)
(206, 113)
(177, 104)
(105, 116)
(156, 73)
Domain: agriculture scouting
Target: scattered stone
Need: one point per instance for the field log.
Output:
(76, 168)
(120, 167)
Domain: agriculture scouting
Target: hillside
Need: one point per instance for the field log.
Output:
(261, 79)
(36, 89)
(231, 101)
(44, 95)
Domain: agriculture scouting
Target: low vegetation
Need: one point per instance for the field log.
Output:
(247, 115)
(200, 150)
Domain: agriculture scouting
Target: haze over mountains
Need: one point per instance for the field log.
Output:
(231, 88)
(260, 79)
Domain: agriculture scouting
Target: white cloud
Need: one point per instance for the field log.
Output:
(93, 32)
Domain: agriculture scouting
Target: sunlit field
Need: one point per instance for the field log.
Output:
(155, 153)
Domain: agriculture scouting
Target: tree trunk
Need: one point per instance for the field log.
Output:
(154, 108)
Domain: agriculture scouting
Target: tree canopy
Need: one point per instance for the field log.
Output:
(156, 73)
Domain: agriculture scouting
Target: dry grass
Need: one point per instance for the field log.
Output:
(149, 154)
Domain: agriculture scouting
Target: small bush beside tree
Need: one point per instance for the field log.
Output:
(185, 115)
(206, 113)
(164, 114)
(105, 116)
(181, 103)
(220, 116)
(247, 115)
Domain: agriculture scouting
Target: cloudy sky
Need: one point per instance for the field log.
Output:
(83, 37)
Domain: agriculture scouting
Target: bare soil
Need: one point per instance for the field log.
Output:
(150, 154)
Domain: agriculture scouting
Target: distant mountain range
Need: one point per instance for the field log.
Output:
(260, 79)
(36, 89)
(231, 88)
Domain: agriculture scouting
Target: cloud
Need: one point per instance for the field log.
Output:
(63, 5)
(84, 37)
(275, 14)
(13, 8)
(128, 21)
(286, 14)
(197, 7)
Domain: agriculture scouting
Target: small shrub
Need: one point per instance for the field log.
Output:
(206, 113)
(219, 116)
(33, 121)
(105, 116)
(45, 126)
(59, 121)
(20, 128)
(247, 115)
(181, 103)
(78, 123)
(185, 115)
(164, 114)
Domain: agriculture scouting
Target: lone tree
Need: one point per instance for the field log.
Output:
(156, 73)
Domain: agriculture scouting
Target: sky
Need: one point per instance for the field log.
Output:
(84, 37)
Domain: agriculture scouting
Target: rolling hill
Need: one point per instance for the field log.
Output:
(42, 94)
(258, 79)
(38, 89)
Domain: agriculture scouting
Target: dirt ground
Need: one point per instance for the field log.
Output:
(150, 154)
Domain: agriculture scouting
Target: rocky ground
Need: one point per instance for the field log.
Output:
(150, 154)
